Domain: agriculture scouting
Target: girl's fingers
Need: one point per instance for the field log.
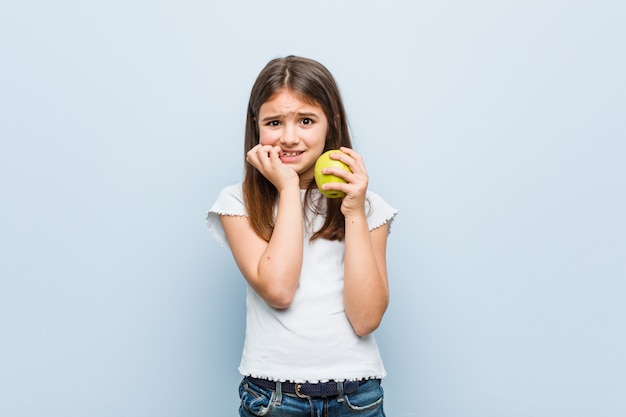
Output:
(261, 155)
(349, 157)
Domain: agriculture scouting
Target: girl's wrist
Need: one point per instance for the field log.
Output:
(290, 191)
(357, 217)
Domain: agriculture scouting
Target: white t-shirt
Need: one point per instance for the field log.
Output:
(311, 340)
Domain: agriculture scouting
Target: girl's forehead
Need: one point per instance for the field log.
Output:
(288, 92)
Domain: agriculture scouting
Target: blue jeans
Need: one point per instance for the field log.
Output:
(257, 401)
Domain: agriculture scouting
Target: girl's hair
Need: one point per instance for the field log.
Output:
(314, 84)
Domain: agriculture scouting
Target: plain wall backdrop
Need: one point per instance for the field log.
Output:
(497, 128)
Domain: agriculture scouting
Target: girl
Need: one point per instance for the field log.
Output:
(315, 267)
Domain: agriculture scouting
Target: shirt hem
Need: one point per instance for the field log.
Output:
(311, 381)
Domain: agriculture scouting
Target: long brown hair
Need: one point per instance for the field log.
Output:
(314, 84)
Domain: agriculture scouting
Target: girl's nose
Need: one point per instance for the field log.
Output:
(289, 136)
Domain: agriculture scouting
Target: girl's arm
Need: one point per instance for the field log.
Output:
(366, 290)
(271, 268)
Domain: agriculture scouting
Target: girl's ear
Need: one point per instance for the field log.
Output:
(337, 121)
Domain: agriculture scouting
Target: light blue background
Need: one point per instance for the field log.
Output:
(497, 128)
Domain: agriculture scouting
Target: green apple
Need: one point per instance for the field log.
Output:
(322, 162)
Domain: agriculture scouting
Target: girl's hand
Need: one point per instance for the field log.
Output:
(356, 181)
(266, 159)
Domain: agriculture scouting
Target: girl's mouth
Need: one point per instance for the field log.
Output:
(290, 157)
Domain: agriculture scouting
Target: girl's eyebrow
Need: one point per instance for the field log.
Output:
(311, 114)
(298, 114)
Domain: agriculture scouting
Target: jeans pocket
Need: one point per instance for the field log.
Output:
(255, 401)
(368, 397)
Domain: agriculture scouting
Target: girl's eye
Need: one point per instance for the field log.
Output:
(307, 121)
(273, 123)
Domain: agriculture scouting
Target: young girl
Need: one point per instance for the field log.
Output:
(315, 267)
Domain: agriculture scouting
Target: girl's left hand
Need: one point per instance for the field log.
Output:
(356, 181)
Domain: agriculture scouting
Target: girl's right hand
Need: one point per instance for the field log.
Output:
(266, 159)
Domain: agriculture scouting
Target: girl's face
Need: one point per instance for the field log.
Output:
(299, 128)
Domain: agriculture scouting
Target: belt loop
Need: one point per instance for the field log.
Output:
(279, 392)
(339, 392)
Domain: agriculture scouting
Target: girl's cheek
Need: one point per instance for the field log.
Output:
(267, 139)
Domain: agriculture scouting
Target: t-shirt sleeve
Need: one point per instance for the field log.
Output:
(229, 203)
(380, 212)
